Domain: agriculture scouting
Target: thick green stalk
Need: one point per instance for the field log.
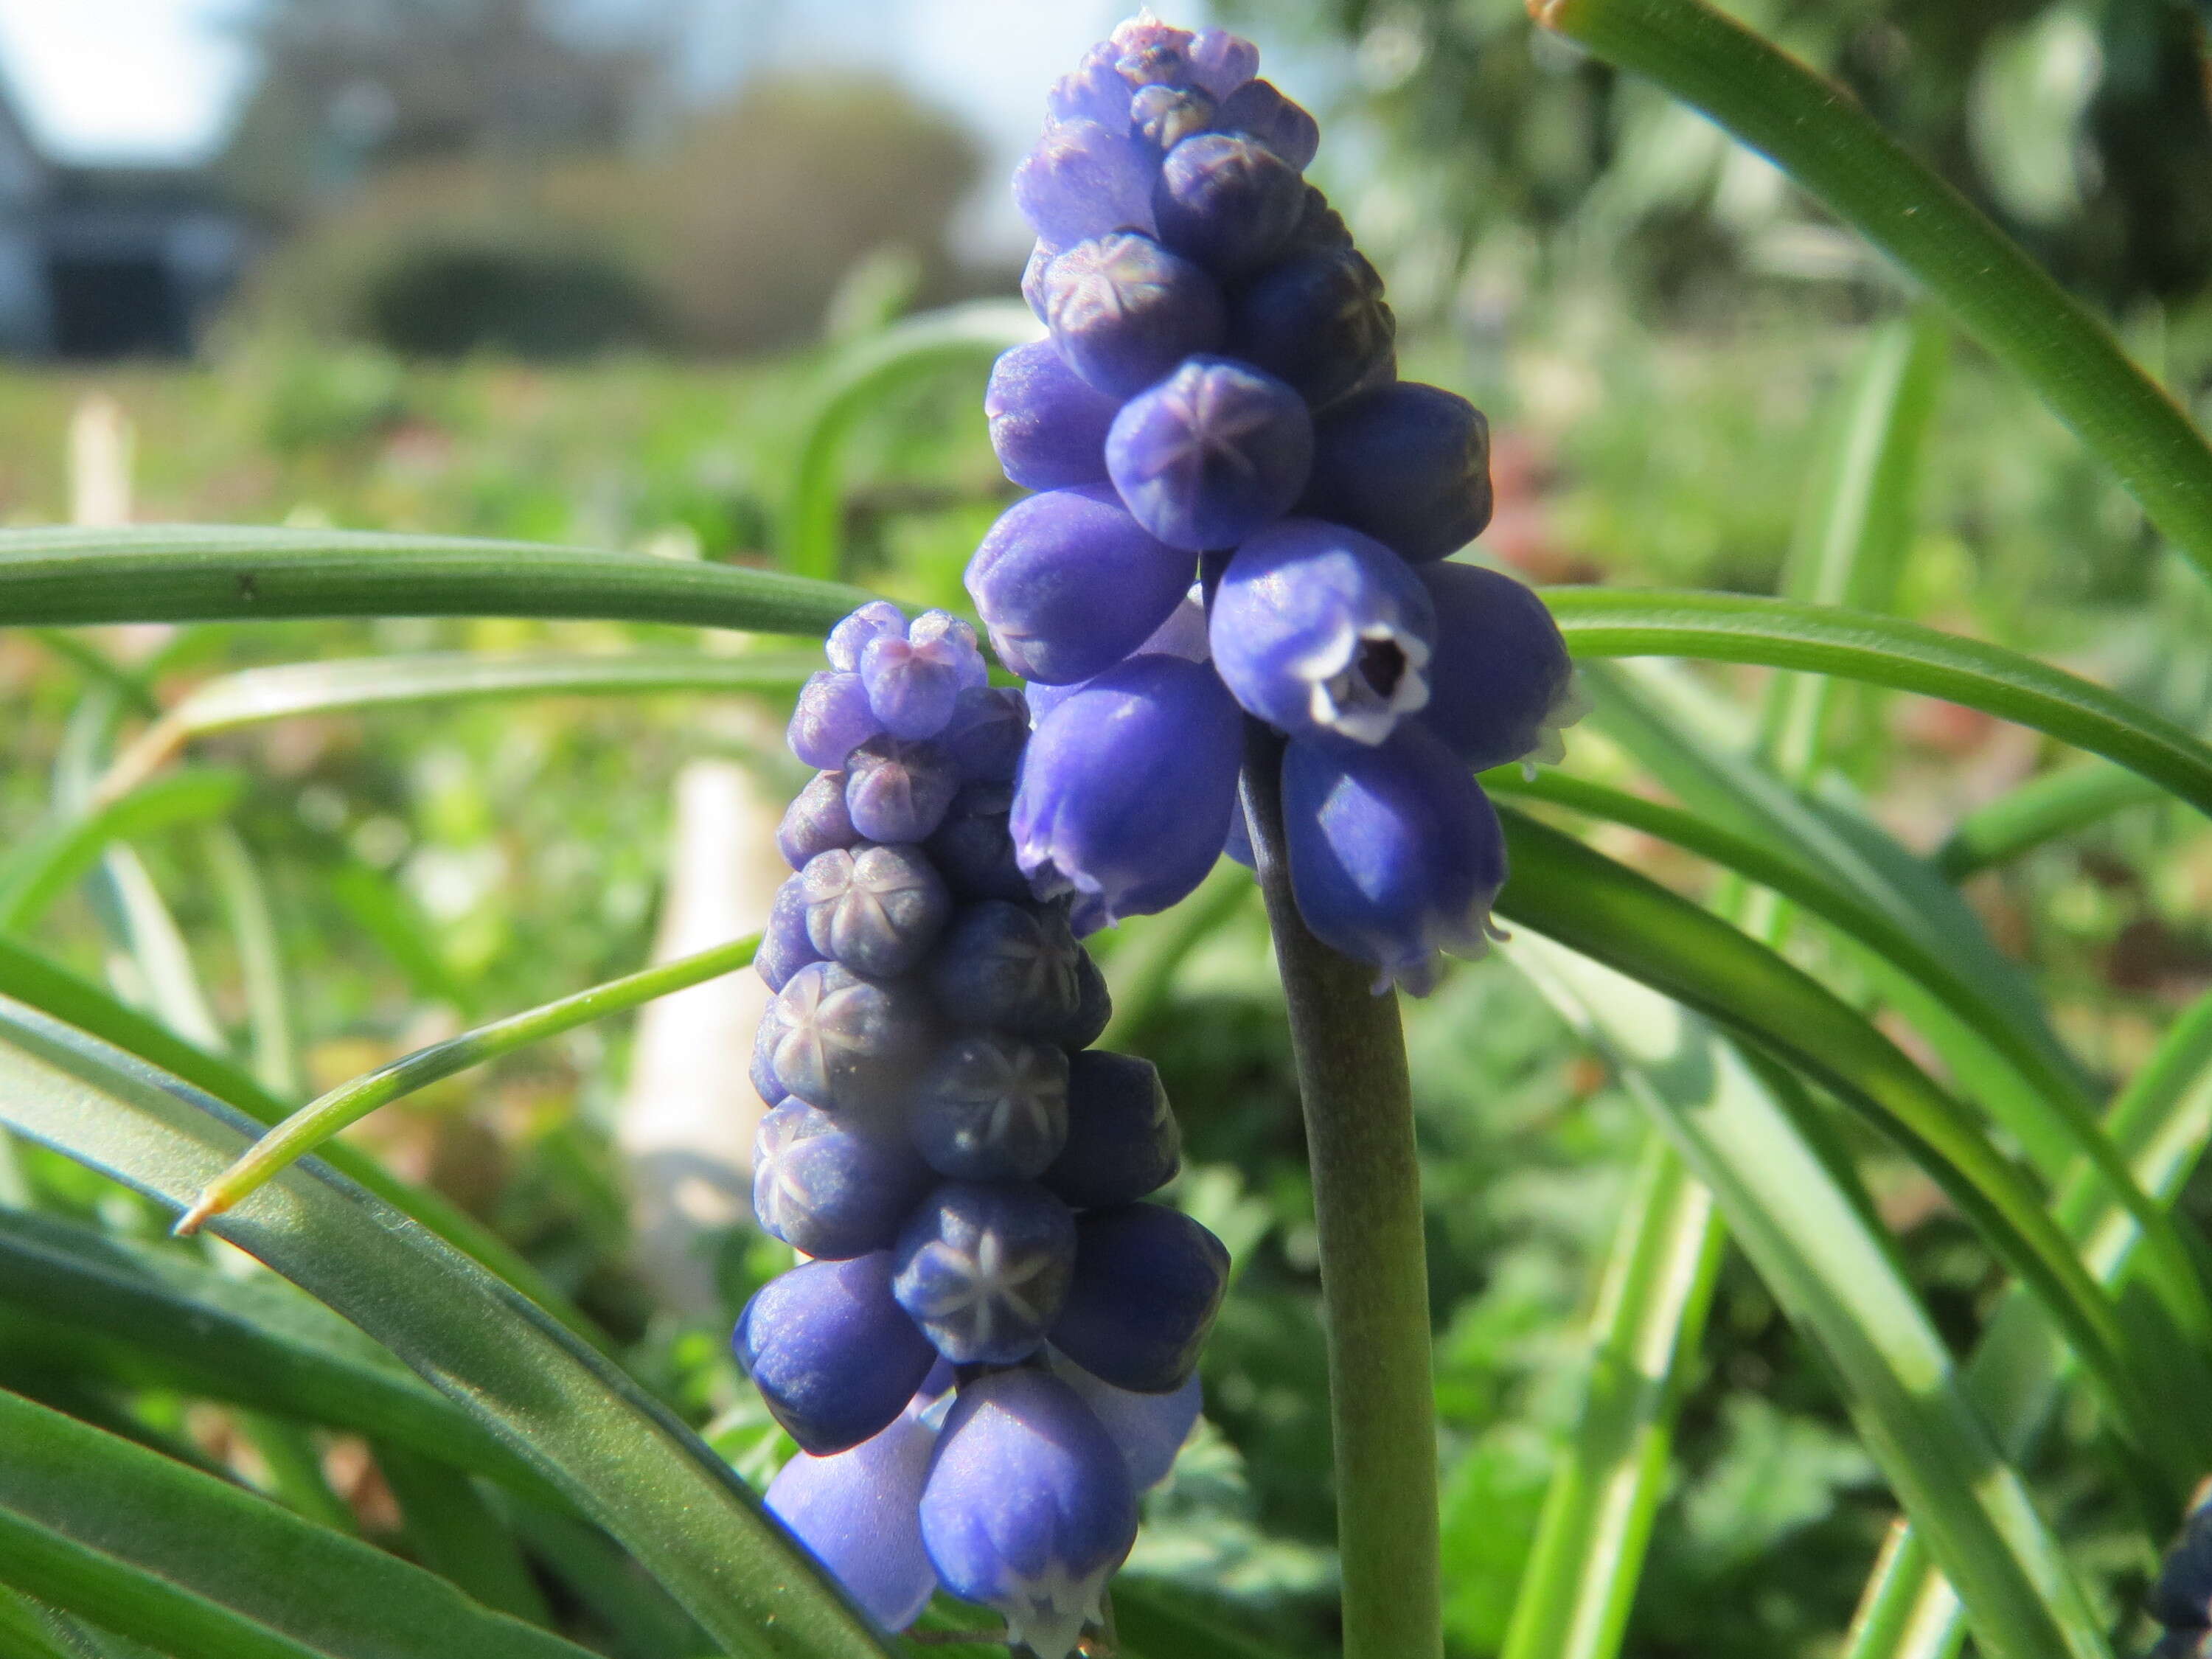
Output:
(1351, 1057)
(1818, 134)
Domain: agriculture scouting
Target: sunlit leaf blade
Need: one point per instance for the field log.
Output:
(174, 573)
(1605, 622)
(41, 868)
(915, 348)
(288, 689)
(160, 1318)
(1587, 1561)
(165, 1555)
(314, 1123)
(1815, 1246)
(1600, 908)
(2059, 1108)
(618, 1456)
(1822, 136)
(31, 979)
(2162, 1122)
(1852, 544)
(2043, 809)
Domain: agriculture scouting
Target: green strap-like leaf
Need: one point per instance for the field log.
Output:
(1825, 140)
(2162, 1121)
(915, 348)
(1796, 1215)
(41, 869)
(2041, 810)
(1601, 909)
(192, 1565)
(33, 979)
(618, 1455)
(2061, 1108)
(150, 1316)
(314, 1123)
(178, 573)
(1609, 622)
(288, 689)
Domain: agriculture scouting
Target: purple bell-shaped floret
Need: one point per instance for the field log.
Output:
(1258, 110)
(1227, 202)
(851, 1046)
(993, 1107)
(1211, 453)
(833, 719)
(913, 680)
(1149, 1428)
(1028, 1508)
(1047, 422)
(985, 736)
(1148, 1281)
(1407, 463)
(1007, 966)
(1125, 793)
(1501, 685)
(828, 1192)
(983, 1268)
(1323, 633)
(1124, 311)
(1318, 323)
(1069, 583)
(876, 909)
(858, 1513)
(848, 640)
(1182, 634)
(1221, 61)
(1084, 178)
(898, 789)
(785, 947)
(1123, 1140)
(831, 1351)
(815, 821)
(1395, 853)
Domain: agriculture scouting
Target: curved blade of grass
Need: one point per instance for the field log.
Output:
(54, 991)
(162, 1317)
(138, 919)
(1601, 909)
(1143, 968)
(175, 573)
(321, 1118)
(2043, 809)
(620, 1458)
(1853, 540)
(1668, 722)
(41, 869)
(456, 1536)
(1587, 1558)
(959, 337)
(166, 1555)
(1600, 622)
(1825, 140)
(2162, 1121)
(1799, 1219)
(245, 899)
(287, 690)
(2040, 1088)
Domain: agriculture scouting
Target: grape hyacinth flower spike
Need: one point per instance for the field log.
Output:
(1218, 390)
(967, 1173)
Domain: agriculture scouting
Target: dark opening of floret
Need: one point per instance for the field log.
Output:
(1383, 664)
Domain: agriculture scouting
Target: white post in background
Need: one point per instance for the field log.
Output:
(688, 1115)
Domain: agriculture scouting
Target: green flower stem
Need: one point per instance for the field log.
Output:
(319, 1119)
(1350, 1057)
(1818, 135)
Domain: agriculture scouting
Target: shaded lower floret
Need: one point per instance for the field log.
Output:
(941, 1137)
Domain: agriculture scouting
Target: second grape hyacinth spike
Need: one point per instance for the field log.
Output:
(1215, 420)
(965, 1170)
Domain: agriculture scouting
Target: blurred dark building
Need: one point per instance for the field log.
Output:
(107, 262)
